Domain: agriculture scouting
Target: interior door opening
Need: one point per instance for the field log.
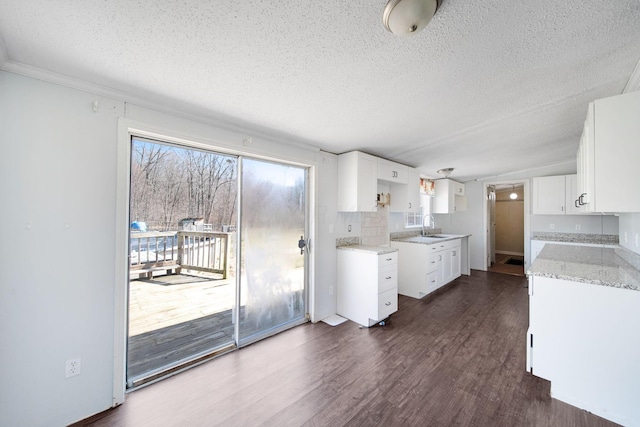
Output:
(505, 228)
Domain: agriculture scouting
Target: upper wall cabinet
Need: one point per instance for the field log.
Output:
(392, 172)
(555, 195)
(449, 197)
(357, 182)
(549, 195)
(406, 197)
(608, 155)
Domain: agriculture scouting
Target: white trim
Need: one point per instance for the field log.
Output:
(634, 80)
(122, 272)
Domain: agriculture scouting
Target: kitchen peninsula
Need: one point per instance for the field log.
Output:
(583, 321)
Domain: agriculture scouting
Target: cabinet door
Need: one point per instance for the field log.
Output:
(456, 264)
(406, 197)
(616, 153)
(357, 182)
(443, 201)
(392, 172)
(572, 196)
(447, 266)
(549, 195)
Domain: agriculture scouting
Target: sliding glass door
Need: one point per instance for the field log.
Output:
(273, 220)
(214, 255)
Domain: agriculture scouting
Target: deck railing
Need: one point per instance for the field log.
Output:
(170, 250)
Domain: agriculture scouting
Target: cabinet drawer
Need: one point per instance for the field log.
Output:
(432, 282)
(432, 262)
(387, 303)
(387, 278)
(444, 245)
(387, 259)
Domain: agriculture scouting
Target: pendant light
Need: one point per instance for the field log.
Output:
(513, 194)
(408, 17)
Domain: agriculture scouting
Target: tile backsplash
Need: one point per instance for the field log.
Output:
(375, 227)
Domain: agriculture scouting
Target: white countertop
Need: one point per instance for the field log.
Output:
(595, 265)
(378, 250)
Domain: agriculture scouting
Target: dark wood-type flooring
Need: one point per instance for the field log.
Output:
(456, 358)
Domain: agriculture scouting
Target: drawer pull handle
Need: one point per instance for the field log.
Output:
(388, 277)
(387, 303)
(389, 259)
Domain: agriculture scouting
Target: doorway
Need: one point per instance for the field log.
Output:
(214, 259)
(506, 231)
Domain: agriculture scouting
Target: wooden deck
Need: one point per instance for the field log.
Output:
(174, 317)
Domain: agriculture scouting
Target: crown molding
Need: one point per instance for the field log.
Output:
(634, 81)
(153, 102)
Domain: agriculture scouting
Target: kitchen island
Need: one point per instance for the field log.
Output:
(584, 312)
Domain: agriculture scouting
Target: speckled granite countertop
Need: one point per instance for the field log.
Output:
(426, 240)
(598, 239)
(594, 265)
(378, 250)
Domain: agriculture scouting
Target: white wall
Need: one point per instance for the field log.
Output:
(57, 273)
(630, 231)
(587, 224)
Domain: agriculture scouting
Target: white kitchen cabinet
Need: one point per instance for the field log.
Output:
(392, 172)
(424, 268)
(608, 155)
(583, 338)
(556, 195)
(357, 182)
(406, 197)
(367, 285)
(549, 195)
(572, 207)
(449, 197)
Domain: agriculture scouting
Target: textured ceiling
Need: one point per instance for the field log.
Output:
(489, 87)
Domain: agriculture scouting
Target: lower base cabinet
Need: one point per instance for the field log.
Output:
(367, 285)
(423, 268)
(584, 339)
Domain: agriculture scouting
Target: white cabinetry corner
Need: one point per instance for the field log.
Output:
(608, 155)
(406, 197)
(367, 285)
(357, 182)
(450, 197)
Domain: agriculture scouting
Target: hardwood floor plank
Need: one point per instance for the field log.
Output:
(454, 358)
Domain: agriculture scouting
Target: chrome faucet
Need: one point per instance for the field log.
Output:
(431, 225)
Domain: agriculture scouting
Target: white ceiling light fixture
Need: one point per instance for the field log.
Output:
(444, 172)
(408, 17)
(513, 194)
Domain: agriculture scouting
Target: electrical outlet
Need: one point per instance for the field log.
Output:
(349, 228)
(330, 290)
(73, 367)
(636, 240)
(625, 237)
(552, 226)
(330, 228)
(578, 226)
